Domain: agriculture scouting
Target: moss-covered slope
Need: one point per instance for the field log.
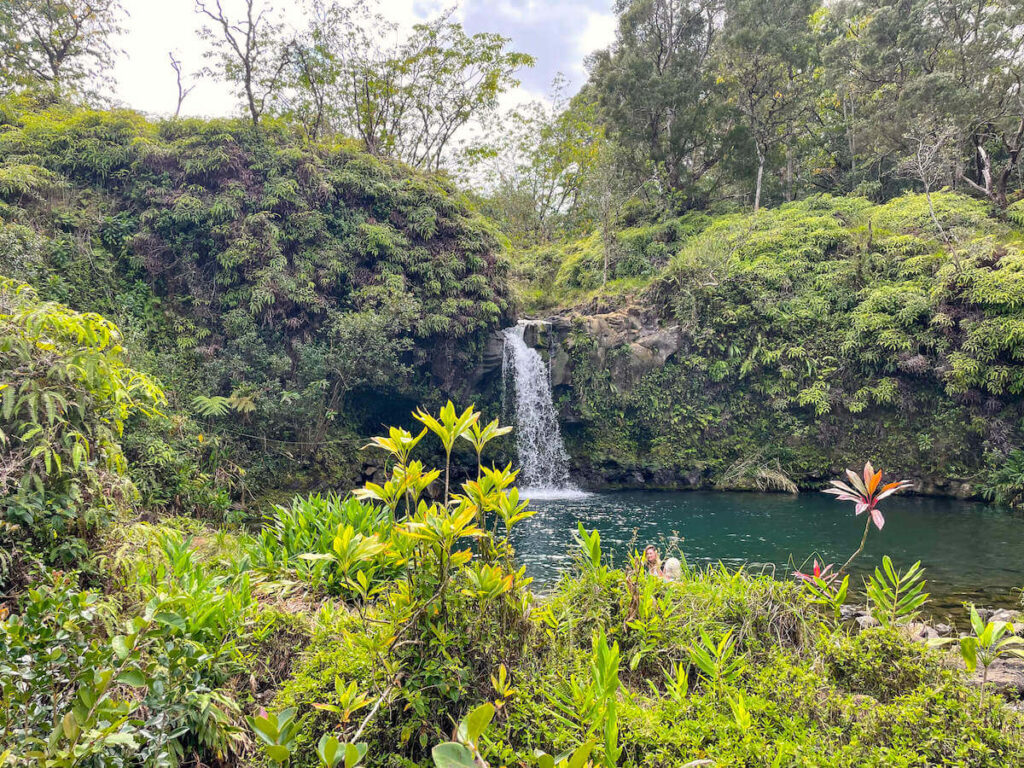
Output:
(807, 337)
(303, 290)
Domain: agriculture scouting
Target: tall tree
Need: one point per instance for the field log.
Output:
(931, 161)
(765, 60)
(535, 164)
(61, 47)
(247, 50)
(986, 59)
(402, 98)
(657, 90)
(961, 60)
(322, 64)
(452, 78)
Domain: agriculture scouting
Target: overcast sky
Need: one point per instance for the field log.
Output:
(559, 33)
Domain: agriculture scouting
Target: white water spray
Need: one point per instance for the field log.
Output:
(542, 457)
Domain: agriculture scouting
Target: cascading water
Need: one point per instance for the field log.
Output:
(542, 457)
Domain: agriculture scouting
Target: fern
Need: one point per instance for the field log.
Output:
(895, 597)
(211, 406)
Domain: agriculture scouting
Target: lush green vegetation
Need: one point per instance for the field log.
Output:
(809, 335)
(367, 628)
(811, 207)
(287, 293)
(66, 396)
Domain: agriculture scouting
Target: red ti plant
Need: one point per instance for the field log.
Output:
(825, 574)
(824, 587)
(865, 492)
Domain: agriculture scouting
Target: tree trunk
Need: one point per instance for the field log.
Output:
(789, 174)
(604, 271)
(931, 210)
(760, 174)
(853, 140)
(251, 98)
(606, 234)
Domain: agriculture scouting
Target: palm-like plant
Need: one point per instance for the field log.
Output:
(479, 436)
(451, 426)
(865, 492)
(896, 596)
(399, 443)
(718, 662)
(989, 642)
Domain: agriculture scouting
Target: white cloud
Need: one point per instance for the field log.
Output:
(560, 33)
(598, 33)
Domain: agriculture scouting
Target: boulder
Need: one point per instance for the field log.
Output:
(536, 334)
(560, 373)
(920, 632)
(867, 622)
(1003, 614)
(490, 362)
(849, 612)
(494, 351)
(1005, 677)
(629, 343)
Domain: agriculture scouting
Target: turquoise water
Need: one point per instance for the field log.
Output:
(972, 552)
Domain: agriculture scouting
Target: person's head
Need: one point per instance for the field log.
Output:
(673, 569)
(651, 555)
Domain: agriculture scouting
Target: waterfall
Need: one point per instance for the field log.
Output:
(543, 460)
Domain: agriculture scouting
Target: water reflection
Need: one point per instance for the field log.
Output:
(971, 551)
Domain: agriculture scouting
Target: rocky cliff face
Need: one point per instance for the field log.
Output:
(628, 345)
(612, 356)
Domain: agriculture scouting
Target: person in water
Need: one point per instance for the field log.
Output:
(652, 561)
(673, 570)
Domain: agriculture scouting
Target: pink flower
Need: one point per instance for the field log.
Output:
(865, 493)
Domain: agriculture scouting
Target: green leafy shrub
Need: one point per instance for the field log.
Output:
(880, 663)
(64, 402)
(894, 596)
(135, 698)
(989, 642)
(1004, 484)
(435, 618)
(311, 540)
(46, 644)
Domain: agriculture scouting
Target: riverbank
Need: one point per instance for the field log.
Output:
(969, 550)
(611, 476)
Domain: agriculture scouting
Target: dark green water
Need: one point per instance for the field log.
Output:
(972, 552)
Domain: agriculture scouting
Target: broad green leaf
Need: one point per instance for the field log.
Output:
(132, 677)
(70, 726)
(278, 753)
(452, 755)
(120, 646)
(476, 722)
(580, 756)
(969, 651)
(354, 753)
(329, 750)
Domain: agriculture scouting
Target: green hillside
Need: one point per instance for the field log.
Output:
(808, 335)
(290, 296)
